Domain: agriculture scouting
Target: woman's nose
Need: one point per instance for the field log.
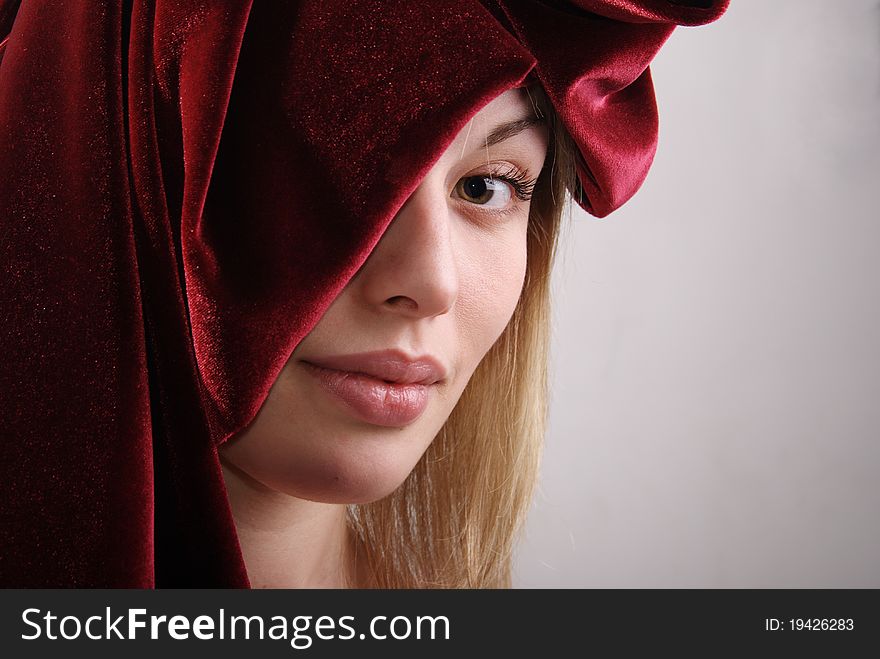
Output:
(413, 269)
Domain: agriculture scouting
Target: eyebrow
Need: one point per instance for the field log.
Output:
(507, 130)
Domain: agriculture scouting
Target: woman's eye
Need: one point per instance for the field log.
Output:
(485, 191)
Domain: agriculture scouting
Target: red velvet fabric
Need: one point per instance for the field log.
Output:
(186, 185)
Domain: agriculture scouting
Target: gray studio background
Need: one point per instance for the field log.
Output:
(716, 362)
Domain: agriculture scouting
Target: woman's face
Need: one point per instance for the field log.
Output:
(365, 393)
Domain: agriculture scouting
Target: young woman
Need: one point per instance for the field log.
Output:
(275, 277)
(373, 396)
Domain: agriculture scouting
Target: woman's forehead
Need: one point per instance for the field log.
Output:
(513, 104)
(507, 115)
(509, 106)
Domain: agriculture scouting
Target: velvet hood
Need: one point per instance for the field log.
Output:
(186, 185)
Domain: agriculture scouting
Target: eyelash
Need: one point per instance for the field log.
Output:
(523, 185)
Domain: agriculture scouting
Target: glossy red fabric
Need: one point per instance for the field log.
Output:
(186, 185)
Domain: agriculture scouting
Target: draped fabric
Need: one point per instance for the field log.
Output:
(186, 185)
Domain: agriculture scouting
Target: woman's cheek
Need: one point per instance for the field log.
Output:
(492, 281)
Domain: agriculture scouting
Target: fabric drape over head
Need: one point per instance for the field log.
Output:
(186, 185)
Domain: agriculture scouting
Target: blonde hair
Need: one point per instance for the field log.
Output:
(454, 520)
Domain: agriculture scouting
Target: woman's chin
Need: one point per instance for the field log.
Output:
(340, 489)
(355, 477)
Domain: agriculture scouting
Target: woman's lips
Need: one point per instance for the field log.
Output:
(373, 400)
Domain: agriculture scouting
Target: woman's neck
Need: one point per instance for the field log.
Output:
(287, 542)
